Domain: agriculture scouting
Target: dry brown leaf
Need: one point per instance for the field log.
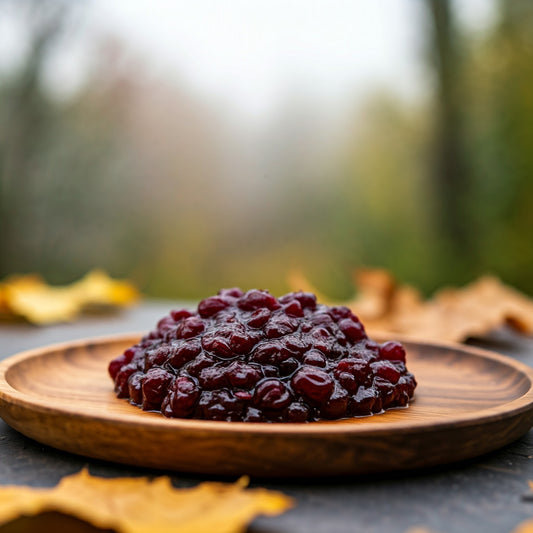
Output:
(451, 315)
(474, 310)
(378, 298)
(140, 505)
(30, 297)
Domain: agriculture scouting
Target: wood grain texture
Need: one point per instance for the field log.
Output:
(468, 402)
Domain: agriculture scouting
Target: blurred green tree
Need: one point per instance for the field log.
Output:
(500, 141)
(448, 167)
(146, 179)
(25, 124)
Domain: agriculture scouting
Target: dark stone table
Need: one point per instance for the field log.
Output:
(488, 494)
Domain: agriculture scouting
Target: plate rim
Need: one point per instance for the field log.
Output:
(10, 396)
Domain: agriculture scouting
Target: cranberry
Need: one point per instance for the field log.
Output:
(387, 391)
(341, 312)
(296, 344)
(121, 380)
(386, 370)
(190, 327)
(212, 377)
(337, 404)
(268, 352)
(243, 375)
(199, 363)
(353, 330)
(116, 364)
(289, 366)
(165, 324)
(182, 398)
(242, 342)
(358, 368)
(255, 358)
(364, 402)
(255, 299)
(219, 405)
(155, 387)
(184, 352)
(180, 314)
(320, 333)
(294, 308)
(324, 320)
(235, 292)
(322, 341)
(315, 358)
(348, 381)
(313, 383)
(135, 388)
(306, 299)
(218, 346)
(211, 306)
(157, 357)
(272, 394)
(280, 326)
(297, 412)
(259, 318)
(393, 351)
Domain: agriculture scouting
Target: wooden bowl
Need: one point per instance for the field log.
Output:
(468, 402)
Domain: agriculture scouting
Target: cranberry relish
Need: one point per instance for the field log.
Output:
(255, 358)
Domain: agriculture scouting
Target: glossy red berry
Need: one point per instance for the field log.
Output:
(393, 351)
(211, 306)
(272, 394)
(155, 387)
(313, 384)
(255, 358)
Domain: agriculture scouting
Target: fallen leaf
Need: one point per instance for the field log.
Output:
(474, 310)
(30, 297)
(141, 505)
(384, 305)
(524, 527)
(97, 288)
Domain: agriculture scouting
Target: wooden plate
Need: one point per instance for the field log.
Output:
(468, 402)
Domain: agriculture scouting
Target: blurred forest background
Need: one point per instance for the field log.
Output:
(149, 179)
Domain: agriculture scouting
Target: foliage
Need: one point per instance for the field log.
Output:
(145, 179)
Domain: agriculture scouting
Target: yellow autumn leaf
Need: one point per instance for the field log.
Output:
(32, 298)
(97, 288)
(524, 527)
(141, 505)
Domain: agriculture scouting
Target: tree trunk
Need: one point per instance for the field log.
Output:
(449, 167)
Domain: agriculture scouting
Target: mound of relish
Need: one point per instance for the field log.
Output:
(251, 357)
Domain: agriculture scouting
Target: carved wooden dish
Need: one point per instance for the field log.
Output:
(468, 402)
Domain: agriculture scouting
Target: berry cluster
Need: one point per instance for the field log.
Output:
(255, 358)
